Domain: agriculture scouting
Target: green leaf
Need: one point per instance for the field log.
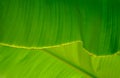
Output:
(30, 62)
(19, 63)
(59, 39)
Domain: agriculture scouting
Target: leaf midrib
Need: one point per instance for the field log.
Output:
(79, 69)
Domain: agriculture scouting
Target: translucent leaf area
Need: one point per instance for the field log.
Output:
(59, 38)
(22, 63)
(68, 60)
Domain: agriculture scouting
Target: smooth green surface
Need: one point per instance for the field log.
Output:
(68, 60)
(50, 22)
(59, 38)
(21, 63)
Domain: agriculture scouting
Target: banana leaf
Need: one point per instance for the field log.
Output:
(59, 39)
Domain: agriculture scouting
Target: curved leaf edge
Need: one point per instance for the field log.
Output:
(55, 46)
